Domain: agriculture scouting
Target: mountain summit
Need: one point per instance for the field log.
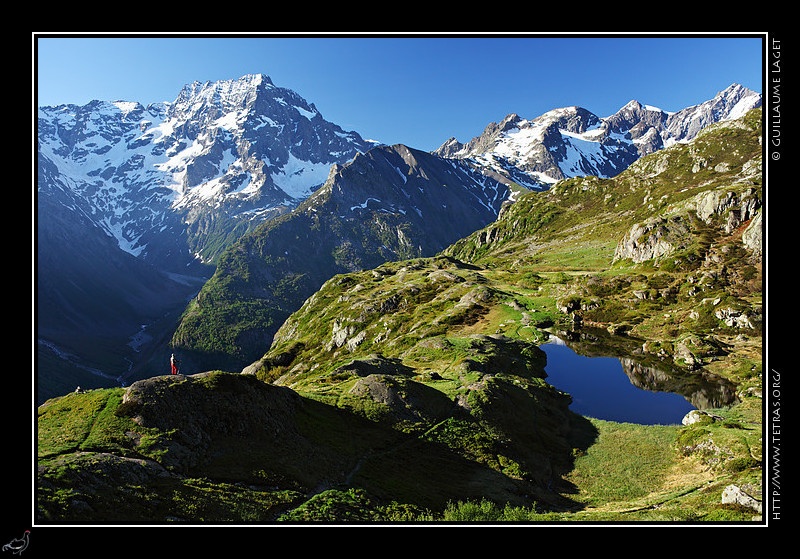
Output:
(571, 141)
(253, 140)
(190, 172)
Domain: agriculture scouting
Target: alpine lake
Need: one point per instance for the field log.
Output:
(609, 378)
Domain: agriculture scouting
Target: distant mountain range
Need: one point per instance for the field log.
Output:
(137, 206)
(571, 141)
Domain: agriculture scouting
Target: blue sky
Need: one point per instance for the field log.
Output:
(413, 90)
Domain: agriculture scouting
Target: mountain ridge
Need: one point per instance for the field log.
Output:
(391, 203)
(170, 193)
(571, 141)
(237, 147)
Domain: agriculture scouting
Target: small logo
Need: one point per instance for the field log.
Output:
(18, 545)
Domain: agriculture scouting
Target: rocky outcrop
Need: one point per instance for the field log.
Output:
(197, 411)
(95, 471)
(736, 317)
(724, 208)
(729, 208)
(691, 349)
(734, 494)
(403, 399)
(653, 239)
(753, 237)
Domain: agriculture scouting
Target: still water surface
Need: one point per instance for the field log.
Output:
(603, 387)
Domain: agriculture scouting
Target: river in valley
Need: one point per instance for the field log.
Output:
(608, 378)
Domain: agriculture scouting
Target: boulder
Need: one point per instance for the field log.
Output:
(734, 494)
(654, 239)
(698, 415)
(735, 318)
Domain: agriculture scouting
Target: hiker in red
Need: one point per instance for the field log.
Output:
(173, 367)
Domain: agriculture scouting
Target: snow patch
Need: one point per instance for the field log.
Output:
(364, 204)
(298, 178)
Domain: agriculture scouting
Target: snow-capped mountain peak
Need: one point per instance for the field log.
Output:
(238, 149)
(571, 141)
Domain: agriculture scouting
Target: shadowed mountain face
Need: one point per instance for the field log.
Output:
(389, 204)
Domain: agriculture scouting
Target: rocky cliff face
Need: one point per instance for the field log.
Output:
(732, 205)
(654, 239)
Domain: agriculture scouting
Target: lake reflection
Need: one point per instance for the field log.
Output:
(607, 380)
